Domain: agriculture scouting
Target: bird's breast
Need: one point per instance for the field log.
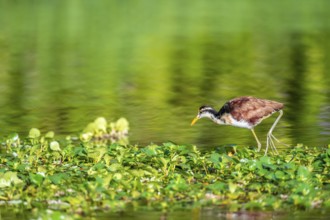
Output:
(229, 120)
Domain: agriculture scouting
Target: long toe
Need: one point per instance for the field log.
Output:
(270, 140)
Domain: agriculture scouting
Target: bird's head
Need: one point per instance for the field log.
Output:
(204, 112)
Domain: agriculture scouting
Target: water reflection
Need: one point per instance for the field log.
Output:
(60, 69)
(214, 213)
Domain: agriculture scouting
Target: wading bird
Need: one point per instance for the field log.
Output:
(245, 112)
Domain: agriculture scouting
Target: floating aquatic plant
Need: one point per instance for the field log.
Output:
(84, 175)
(100, 130)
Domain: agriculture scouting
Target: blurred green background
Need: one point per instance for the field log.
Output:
(65, 62)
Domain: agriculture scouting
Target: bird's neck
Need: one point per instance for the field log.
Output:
(215, 116)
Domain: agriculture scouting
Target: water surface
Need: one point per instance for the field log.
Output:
(64, 63)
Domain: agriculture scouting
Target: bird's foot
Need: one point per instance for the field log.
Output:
(259, 147)
(270, 142)
(278, 141)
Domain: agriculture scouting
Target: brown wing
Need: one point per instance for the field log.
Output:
(253, 110)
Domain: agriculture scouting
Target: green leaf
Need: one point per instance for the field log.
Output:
(215, 158)
(122, 124)
(86, 137)
(8, 178)
(328, 151)
(99, 166)
(58, 178)
(303, 173)
(303, 188)
(279, 175)
(218, 187)
(232, 187)
(34, 133)
(101, 124)
(117, 176)
(137, 173)
(255, 186)
(36, 178)
(178, 184)
(265, 160)
(50, 135)
(55, 146)
(114, 167)
(150, 150)
(164, 161)
(13, 137)
(79, 151)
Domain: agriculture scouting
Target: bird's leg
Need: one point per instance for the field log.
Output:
(270, 135)
(258, 142)
(267, 144)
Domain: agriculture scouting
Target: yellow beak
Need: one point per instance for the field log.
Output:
(194, 121)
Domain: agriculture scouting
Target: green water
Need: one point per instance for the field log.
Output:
(64, 63)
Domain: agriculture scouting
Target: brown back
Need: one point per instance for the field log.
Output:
(252, 109)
